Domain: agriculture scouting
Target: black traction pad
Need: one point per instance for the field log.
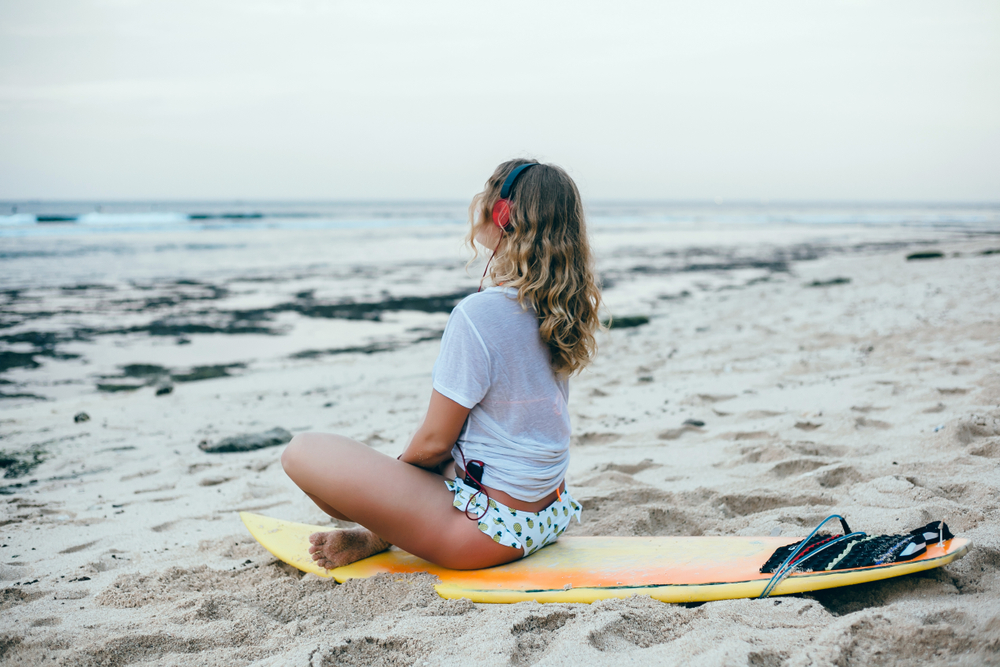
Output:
(859, 551)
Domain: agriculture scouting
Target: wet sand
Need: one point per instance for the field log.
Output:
(829, 373)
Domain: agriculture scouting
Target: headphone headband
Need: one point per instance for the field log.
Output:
(501, 210)
(511, 177)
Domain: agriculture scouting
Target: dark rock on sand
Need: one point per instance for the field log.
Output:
(672, 297)
(205, 373)
(626, 322)
(9, 360)
(81, 417)
(246, 442)
(144, 371)
(21, 394)
(114, 387)
(363, 349)
(19, 464)
(827, 283)
(694, 422)
(137, 376)
(351, 310)
(44, 344)
(924, 255)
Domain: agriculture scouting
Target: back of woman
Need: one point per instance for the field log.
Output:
(494, 362)
(482, 480)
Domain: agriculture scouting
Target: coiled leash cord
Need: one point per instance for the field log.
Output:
(790, 563)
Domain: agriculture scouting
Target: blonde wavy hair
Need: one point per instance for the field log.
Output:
(545, 255)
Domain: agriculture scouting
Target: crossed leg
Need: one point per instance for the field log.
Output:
(398, 503)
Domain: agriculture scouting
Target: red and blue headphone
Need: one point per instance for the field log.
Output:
(501, 210)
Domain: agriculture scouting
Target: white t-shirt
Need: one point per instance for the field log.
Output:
(493, 361)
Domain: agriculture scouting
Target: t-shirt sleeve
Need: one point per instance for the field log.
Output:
(462, 370)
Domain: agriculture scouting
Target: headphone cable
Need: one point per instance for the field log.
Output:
(490, 260)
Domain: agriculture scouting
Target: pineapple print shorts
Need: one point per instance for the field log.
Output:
(529, 531)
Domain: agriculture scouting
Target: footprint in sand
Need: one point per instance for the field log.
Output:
(46, 622)
(808, 448)
(641, 628)
(534, 634)
(715, 398)
(107, 561)
(79, 547)
(796, 467)
(747, 435)
(838, 476)
(371, 651)
(611, 479)
(756, 454)
(137, 475)
(163, 526)
(755, 503)
(674, 433)
(157, 489)
(630, 469)
(595, 438)
(867, 408)
(213, 481)
(991, 450)
(640, 510)
(807, 426)
(975, 427)
(865, 422)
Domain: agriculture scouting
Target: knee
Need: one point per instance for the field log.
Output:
(306, 450)
(296, 454)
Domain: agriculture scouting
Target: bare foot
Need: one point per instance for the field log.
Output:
(337, 548)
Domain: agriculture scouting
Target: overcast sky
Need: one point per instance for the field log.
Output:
(265, 99)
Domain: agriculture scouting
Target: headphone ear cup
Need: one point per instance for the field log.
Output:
(501, 213)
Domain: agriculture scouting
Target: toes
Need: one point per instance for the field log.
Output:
(322, 561)
(317, 538)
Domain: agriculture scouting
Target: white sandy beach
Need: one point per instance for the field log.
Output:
(875, 397)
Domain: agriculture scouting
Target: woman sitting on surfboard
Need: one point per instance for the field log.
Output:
(481, 482)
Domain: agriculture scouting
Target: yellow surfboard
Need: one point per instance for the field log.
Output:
(585, 569)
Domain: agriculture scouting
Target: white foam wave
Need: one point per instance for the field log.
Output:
(17, 219)
(153, 218)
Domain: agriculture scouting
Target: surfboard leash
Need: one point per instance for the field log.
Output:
(791, 562)
(858, 550)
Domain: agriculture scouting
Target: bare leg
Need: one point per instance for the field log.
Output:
(335, 548)
(400, 503)
(329, 510)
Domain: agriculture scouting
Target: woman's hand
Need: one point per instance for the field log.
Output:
(431, 444)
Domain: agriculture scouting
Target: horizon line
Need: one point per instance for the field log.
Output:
(601, 201)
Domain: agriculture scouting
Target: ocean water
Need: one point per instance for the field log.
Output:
(131, 297)
(61, 219)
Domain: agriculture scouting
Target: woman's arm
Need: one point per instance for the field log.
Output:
(431, 444)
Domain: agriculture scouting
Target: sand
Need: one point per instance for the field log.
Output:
(831, 375)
